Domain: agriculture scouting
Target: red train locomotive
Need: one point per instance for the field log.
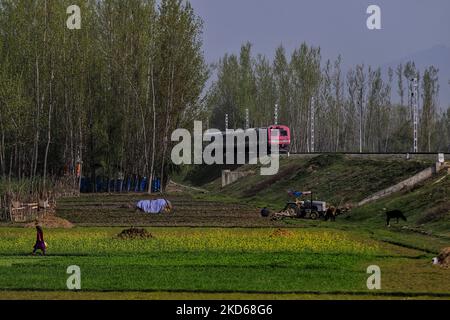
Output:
(239, 138)
(284, 137)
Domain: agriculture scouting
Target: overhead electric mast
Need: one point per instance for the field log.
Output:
(275, 114)
(313, 115)
(415, 104)
(247, 119)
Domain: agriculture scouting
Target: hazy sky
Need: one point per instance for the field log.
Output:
(337, 26)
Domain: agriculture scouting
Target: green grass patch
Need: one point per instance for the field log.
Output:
(315, 260)
(333, 178)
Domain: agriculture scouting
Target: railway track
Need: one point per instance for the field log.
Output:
(371, 153)
(396, 155)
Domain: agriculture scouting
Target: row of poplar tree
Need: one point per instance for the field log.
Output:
(352, 111)
(107, 95)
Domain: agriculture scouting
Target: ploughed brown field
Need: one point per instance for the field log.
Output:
(108, 210)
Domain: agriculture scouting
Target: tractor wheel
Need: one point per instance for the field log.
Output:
(314, 215)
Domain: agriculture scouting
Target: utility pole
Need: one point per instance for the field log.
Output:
(414, 100)
(276, 115)
(313, 115)
(247, 119)
(360, 102)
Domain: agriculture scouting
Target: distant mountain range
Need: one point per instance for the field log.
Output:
(439, 57)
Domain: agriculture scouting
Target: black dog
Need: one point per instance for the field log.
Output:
(394, 214)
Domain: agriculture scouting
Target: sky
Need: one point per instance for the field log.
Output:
(337, 26)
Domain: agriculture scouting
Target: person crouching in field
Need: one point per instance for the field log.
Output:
(40, 243)
(154, 206)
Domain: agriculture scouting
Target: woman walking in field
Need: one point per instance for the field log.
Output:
(40, 243)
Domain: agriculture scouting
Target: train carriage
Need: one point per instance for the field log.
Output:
(239, 140)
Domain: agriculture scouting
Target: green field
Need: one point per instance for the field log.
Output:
(216, 245)
(215, 262)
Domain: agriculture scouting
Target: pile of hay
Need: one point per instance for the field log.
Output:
(51, 222)
(443, 259)
(281, 233)
(134, 233)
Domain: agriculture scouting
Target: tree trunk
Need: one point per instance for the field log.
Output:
(152, 166)
(49, 130)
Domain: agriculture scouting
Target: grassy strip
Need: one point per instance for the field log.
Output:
(164, 295)
(216, 260)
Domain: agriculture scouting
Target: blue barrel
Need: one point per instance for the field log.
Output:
(98, 184)
(104, 186)
(156, 185)
(136, 184)
(143, 185)
(118, 185)
(84, 185)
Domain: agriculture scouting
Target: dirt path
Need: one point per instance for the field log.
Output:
(164, 295)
